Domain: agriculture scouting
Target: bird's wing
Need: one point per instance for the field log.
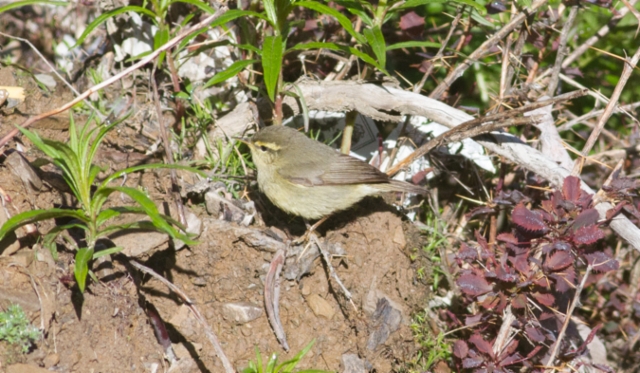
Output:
(340, 170)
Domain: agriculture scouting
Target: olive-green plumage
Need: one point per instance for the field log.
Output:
(310, 179)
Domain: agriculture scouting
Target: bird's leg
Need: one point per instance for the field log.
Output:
(310, 229)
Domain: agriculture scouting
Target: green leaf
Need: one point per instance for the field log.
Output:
(232, 14)
(150, 166)
(198, 3)
(50, 237)
(289, 365)
(105, 215)
(270, 10)
(151, 210)
(18, 4)
(272, 51)
(415, 3)
(413, 44)
(82, 266)
(109, 251)
(229, 72)
(144, 225)
(344, 21)
(336, 47)
(357, 9)
(103, 17)
(376, 42)
(159, 39)
(477, 6)
(248, 47)
(33, 216)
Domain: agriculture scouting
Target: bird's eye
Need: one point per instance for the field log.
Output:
(263, 148)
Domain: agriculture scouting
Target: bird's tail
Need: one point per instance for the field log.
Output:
(400, 186)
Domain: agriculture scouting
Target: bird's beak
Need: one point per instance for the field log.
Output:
(243, 140)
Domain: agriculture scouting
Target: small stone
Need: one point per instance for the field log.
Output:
(352, 364)
(51, 360)
(213, 205)
(398, 237)
(320, 306)
(241, 312)
(23, 257)
(246, 331)
(194, 226)
(199, 281)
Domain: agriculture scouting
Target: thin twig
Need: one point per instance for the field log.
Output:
(484, 49)
(564, 37)
(272, 296)
(150, 57)
(207, 329)
(595, 113)
(604, 30)
(475, 127)
(445, 42)
(611, 106)
(567, 319)
(53, 70)
(168, 152)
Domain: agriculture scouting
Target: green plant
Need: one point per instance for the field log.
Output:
(432, 348)
(286, 367)
(16, 329)
(75, 159)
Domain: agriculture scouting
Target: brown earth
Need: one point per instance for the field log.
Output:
(107, 329)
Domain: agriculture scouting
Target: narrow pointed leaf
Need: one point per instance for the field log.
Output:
(272, 50)
(376, 42)
(82, 267)
(229, 72)
(33, 216)
(344, 21)
(105, 16)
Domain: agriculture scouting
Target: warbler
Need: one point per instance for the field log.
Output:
(307, 178)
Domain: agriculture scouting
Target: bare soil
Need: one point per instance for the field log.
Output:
(107, 329)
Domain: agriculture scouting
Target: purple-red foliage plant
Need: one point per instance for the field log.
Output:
(531, 272)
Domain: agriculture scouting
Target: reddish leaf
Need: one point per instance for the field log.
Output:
(586, 217)
(473, 285)
(478, 211)
(467, 253)
(506, 274)
(490, 302)
(507, 237)
(481, 241)
(534, 334)
(411, 20)
(520, 301)
(565, 280)
(510, 360)
(616, 210)
(547, 206)
(588, 235)
(482, 345)
(472, 362)
(571, 188)
(460, 349)
(528, 220)
(602, 262)
(544, 299)
(503, 303)
(472, 320)
(558, 260)
(520, 263)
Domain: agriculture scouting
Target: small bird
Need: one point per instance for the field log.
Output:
(307, 178)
